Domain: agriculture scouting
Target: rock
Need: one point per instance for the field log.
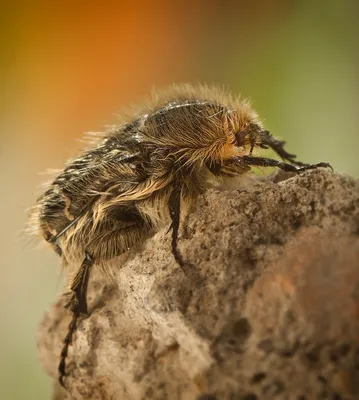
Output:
(268, 307)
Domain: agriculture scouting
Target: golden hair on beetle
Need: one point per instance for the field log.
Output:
(139, 175)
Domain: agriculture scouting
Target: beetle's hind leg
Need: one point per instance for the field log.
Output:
(79, 287)
(78, 306)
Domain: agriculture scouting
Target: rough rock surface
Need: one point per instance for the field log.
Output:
(268, 309)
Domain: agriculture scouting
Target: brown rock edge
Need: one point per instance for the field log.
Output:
(269, 308)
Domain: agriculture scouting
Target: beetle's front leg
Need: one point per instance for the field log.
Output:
(269, 162)
(239, 165)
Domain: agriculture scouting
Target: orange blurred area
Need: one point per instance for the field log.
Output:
(74, 64)
(77, 63)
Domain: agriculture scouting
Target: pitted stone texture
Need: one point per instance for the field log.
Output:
(268, 307)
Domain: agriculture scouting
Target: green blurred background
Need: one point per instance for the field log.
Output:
(68, 67)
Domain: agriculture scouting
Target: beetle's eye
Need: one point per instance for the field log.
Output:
(240, 137)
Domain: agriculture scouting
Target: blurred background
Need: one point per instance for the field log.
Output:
(69, 67)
